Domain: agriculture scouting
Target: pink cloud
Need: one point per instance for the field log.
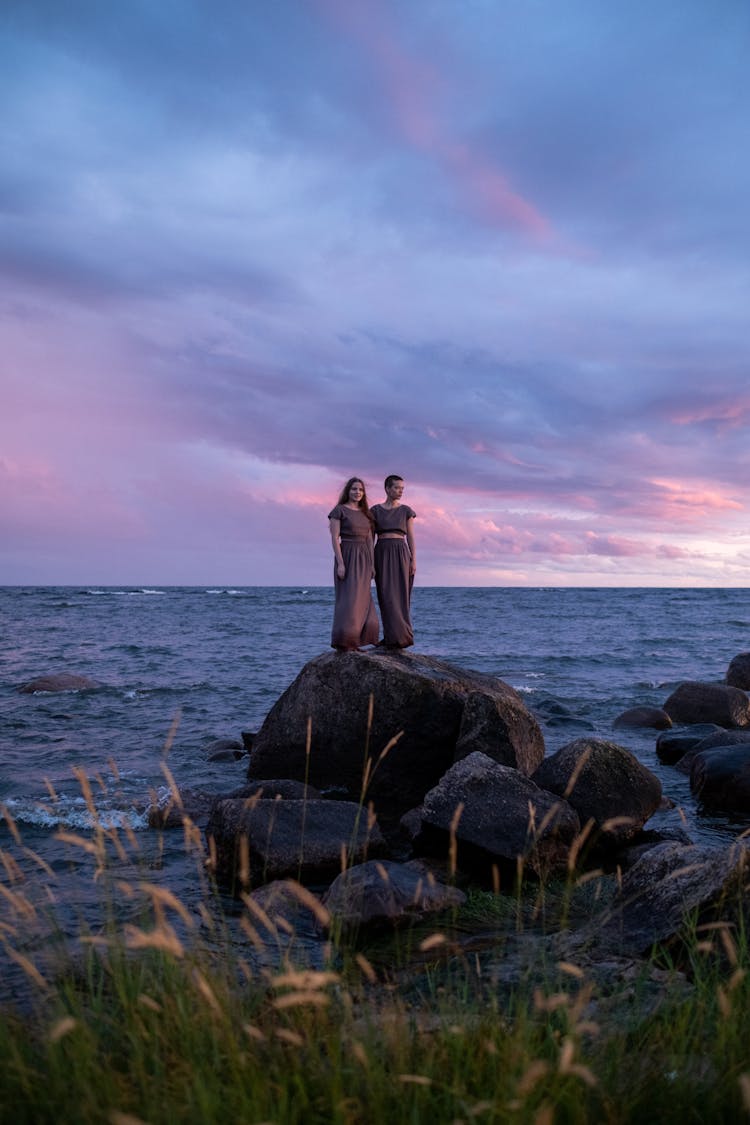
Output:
(726, 415)
(411, 89)
(677, 501)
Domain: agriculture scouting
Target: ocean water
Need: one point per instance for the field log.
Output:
(181, 667)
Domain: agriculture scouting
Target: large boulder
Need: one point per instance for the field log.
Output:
(256, 841)
(59, 681)
(425, 712)
(738, 672)
(720, 777)
(497, 817)
(381, 893)
(661, 895)
(605, 784)
(696, 702)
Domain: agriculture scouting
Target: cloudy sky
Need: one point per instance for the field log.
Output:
(500, 247)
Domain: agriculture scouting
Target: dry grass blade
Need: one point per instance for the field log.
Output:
(309, 900)
(12, 826)
(206, 991)
(162, 938)
(573, 779)
(415, 1079)
(78, 842)
(306, 979)
(301, 999)
(28, 967)
(62, 1028)
(165, 897)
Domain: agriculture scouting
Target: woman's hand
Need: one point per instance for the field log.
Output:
(413, 567)
(340, 570)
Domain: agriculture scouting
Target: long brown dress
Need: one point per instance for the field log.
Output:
(355, 621)
(392, 578)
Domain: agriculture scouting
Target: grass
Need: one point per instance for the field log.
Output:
(167, 1014)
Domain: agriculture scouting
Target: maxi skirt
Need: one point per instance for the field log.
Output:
(355, 622)
(394, 584)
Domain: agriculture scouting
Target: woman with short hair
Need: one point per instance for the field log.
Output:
(395, 563)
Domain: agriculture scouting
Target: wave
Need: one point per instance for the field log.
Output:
(73, 813)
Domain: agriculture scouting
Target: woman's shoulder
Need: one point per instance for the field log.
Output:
(336, 513)
(410, 513)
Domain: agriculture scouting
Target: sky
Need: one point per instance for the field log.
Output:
(251, 249)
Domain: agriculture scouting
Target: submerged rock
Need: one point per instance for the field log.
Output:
(718, 739)
(391, 722)
(637, 717)
(673, 745)
(720, 777)
(499, 817)
(59, 681)
(605, 784)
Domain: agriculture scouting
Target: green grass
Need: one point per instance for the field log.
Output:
(168, 1017)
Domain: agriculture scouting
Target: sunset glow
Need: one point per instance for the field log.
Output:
(248, 250)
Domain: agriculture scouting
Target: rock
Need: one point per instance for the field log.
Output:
(694, 702)
(672, 745)
(660, 894)
(224, 750)
(380, 893)
(497, 815)
(411, 823)
(247, 737)
(720, 777)
(641, 843)
(604, 783)
(284, 907)
(255, 842)
(169, 811)
(714, 741)
(284, 788)
(636, 717)
(738, 672)
(61, 681)
(555, 714)
(435, 712)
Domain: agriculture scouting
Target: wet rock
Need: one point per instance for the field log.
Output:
(605, 784)
(285, 908)
(720, 777)
(673, 744)
(425, 711)
(283, 788)
(171, 810)
(636, 717)
(555, 714)
(60, 681)
(382, 893)
(256, 842)
(497, 816)
(247, 737)
(224, 750)
(714, 741)
(695, 702)
(738, 672)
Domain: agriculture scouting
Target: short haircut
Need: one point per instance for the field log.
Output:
(391, 480)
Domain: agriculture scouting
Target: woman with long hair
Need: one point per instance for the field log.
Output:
(355, 622)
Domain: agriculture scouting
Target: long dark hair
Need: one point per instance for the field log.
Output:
(363, 505)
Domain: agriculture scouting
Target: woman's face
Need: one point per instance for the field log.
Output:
(395, 490)
(356, 492)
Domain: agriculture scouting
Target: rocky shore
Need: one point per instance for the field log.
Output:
(382, 786)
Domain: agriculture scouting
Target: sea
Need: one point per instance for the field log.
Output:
(181, 667)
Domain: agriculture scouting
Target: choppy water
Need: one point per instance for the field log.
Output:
(216, 659)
